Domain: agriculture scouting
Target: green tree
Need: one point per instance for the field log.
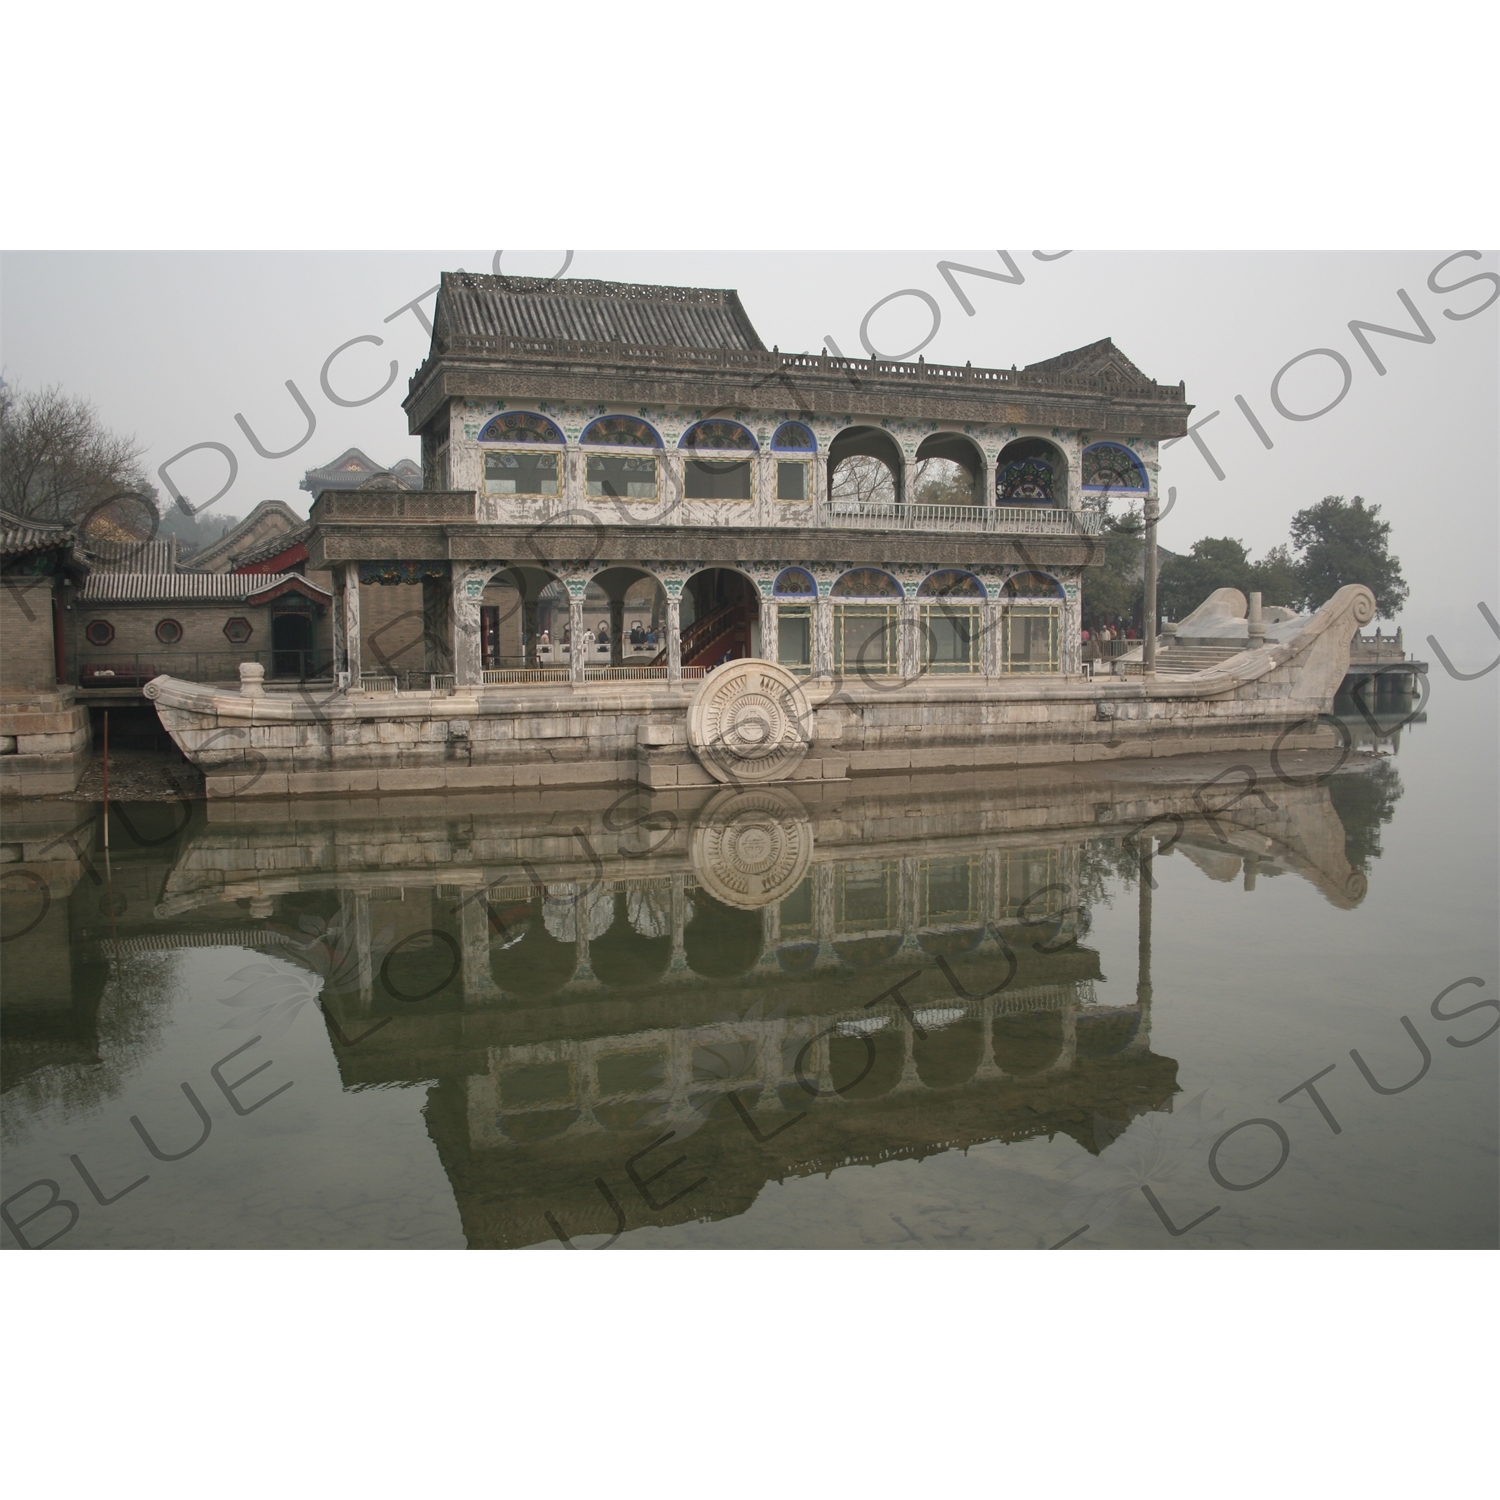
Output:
(1116, 590)
(1215, 562)
(1343, 542)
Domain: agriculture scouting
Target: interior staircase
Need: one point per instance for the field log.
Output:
(707, 639)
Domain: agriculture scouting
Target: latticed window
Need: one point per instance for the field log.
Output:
(1024, 474)
(791, 481)
(794, 638)
(1109, 466)
(522, 473)
(950, 637)
(865, 639)
(1030, 636)
(717, 479)
(621, 478)
(521, 427)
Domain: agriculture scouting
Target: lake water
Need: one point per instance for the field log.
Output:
(1023, 1011)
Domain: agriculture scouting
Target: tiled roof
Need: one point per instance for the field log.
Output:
(179, 588)
(531, 307)
(354, 467)
(154, 556)
(218, 554)
(271, 547)
(19, 535)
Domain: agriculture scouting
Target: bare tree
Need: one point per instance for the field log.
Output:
(57, 459)
(934, 481)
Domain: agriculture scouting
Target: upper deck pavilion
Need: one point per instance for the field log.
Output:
(673, 358)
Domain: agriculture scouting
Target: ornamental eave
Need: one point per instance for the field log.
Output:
(1018, 400)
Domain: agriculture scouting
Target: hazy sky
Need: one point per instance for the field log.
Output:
(171, 345)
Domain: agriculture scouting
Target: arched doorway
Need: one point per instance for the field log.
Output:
(864, 468)
(1031, 471)
(949, 471)
(625, 610)
(720, 618)
(518, 618)
(292, 645)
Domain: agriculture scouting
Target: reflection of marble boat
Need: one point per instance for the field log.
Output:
(595, 975)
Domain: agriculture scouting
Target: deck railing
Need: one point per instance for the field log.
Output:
(1025, 520)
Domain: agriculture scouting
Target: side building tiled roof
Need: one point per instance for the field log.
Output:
(680, 317)
(272, 547)
(19, 535)
(186, 588)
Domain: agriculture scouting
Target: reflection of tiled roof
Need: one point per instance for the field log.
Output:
(179, 588)
(531, 307)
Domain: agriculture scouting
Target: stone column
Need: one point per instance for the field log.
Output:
(575, 630)
(1070, 647)
(769, 636)
(529, 630)
(464, 625)
(908, 648)
(352, 641)
(989, 642)
(822, 614)
(439, 624)
(479, 986)
(616, 630)
(984, 481)
(674, 640)
(336, 623)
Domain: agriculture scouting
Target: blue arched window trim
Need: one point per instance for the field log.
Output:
(1143, 484)
(984, 593)
(1058, 592)
(543, 431)
(896, 582)
(794, 437)
(810, 592)
(654, 436)
(685, 441)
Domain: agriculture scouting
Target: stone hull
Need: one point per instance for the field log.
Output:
(478, 738)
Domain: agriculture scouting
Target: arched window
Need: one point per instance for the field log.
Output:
(1024, 475)
(620, 478)
(867, 583)
(718, 478)
(793, 437)
(795, 583)
(951, 583)
(521, 427)
(796, 591)
(720, 437)
(533, 472)
(793, 475)
(620, 432)
(1112, 466)
(1032, 586)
